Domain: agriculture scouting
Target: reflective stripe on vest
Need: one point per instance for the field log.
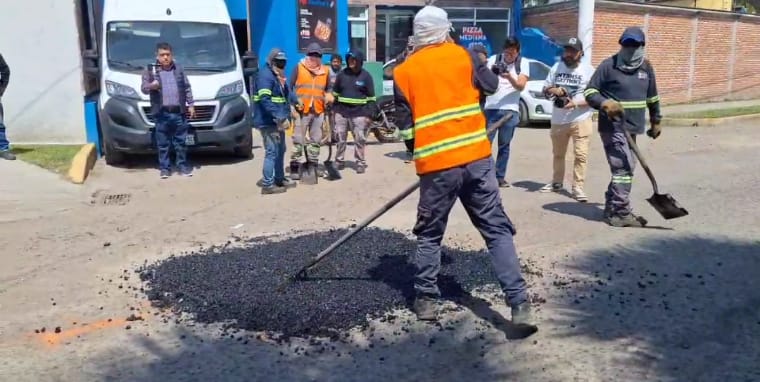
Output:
(263, 92)
(449, 126)
(310, 88)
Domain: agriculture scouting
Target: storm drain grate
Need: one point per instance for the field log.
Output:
(111, 199)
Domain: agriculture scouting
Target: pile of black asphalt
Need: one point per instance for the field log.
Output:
(367, 277)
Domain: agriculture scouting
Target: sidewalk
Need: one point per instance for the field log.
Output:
(29, 192)
(697, 107)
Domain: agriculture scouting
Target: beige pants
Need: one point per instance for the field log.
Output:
(580, 132)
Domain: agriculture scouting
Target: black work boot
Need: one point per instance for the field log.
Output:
(521, 315)
(629, 220)
(504, 184)
(273, 189)
(424, 307)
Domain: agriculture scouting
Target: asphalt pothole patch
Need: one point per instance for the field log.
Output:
(366, 278)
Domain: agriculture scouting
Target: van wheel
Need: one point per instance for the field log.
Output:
(524, 117)
(245, 150)
(113, 157)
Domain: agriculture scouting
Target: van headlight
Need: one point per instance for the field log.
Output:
(235, 88)
(115, 89)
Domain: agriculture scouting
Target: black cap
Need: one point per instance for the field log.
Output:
(479, 48)
(634, 34)
(573, 42)
(313, 48)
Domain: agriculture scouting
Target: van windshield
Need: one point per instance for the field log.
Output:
(206, 47)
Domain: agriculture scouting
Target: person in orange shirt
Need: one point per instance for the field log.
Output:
(438, 108)
(311, 82)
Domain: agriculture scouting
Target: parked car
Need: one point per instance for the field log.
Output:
(534, 106)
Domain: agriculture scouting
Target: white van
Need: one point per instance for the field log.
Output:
(203, 43)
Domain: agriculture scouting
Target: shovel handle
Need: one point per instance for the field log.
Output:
(632, 144)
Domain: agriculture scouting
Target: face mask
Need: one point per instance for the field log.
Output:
(631, 57)
(279, 64)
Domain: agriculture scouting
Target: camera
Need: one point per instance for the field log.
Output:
(499, 68)
(561, 102)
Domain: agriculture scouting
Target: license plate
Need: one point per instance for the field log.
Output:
(190, 139)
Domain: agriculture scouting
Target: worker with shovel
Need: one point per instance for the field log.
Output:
(311, 82)
(624, 88)
(438, 107)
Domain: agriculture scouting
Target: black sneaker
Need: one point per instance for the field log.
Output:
(7, 155)
(274, 189)
(424, 307)
(165, 174)
(504, 184)
(286, 183)
(521, 315)
(629, 220)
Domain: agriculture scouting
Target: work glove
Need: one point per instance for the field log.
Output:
(613, 109)
(655, 130)
(283, 124)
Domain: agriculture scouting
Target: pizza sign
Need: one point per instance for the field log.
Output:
(472, 35)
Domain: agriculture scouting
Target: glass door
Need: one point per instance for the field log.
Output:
(393, 27)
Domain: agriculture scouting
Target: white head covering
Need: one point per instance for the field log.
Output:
(431, 26)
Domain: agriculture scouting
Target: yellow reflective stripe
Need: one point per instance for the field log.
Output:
(633, 104)
(352, 101)
(278, 99)
(654, 99)
(310, 86)
(406, 134)
(590, 91)
(264, 92)
(255, 98)
(371, 98)
(449, 144)
(446, 115)
(622, 179)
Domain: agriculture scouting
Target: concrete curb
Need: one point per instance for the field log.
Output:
(709, 122)
(82, 163)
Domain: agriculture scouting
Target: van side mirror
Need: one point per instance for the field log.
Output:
(90, 63)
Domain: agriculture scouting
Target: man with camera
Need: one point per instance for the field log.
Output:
(571, 116)
(513, 74)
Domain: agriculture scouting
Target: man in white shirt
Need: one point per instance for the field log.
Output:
(571, 116)
(513, 74)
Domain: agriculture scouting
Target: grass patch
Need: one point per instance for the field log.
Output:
(56, 158)
(719, 113)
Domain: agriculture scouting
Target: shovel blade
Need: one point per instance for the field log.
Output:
(667, 206)
(332, 172)
(307, 173)
(295, 170)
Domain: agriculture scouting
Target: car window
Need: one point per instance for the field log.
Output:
(538, 71)
(388, 71)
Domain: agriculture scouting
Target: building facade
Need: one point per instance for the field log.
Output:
(381, 27)
(699, 55)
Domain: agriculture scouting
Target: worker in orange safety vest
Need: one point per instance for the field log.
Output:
(311, 82)
(436, 94)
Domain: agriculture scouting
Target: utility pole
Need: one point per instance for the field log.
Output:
(586, 28)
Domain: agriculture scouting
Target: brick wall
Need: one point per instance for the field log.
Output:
(698, 56)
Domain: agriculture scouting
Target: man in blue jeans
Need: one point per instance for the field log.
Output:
(5, 75)
(272, 97)
(171, 99)
(513, 74)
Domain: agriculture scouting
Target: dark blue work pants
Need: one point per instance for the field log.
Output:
(476, 187)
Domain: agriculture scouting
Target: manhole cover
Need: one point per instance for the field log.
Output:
(110, 199)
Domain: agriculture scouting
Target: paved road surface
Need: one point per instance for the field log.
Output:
(673, 304)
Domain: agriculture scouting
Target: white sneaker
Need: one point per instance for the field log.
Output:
(551, 187)
(579, 195)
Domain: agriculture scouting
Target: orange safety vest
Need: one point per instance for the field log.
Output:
(449, 126)
(310, 88)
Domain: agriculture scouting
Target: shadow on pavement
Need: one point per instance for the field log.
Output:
(528, 185)
(685, 309)
(196, 159)
(588, 211)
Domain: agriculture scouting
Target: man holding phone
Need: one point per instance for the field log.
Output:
(171, 101)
